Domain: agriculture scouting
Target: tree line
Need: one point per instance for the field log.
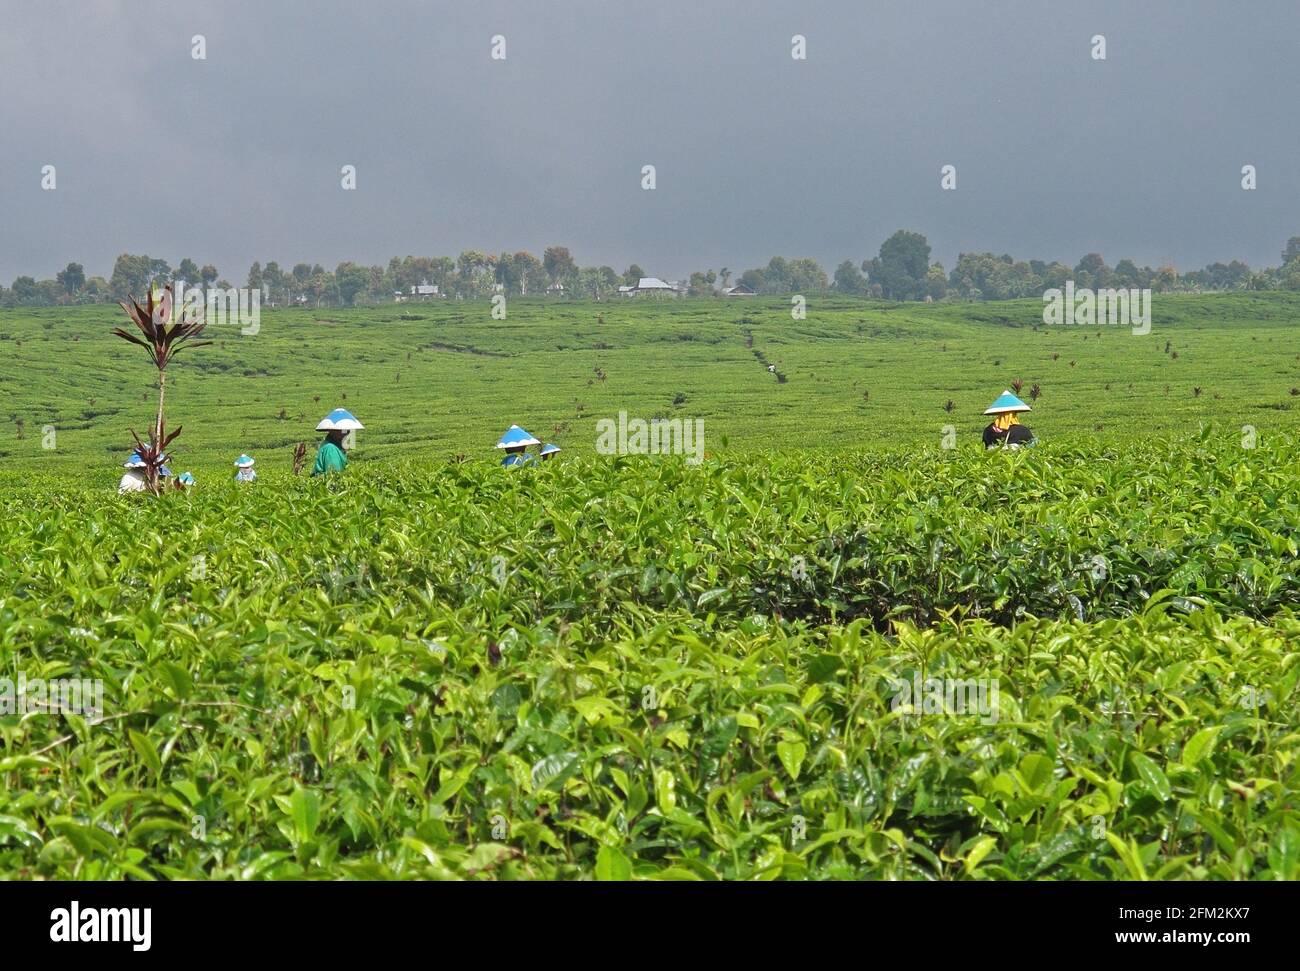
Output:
(902, 271)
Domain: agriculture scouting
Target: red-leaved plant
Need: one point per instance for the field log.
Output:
(162, 337)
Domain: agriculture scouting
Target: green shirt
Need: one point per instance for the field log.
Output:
(329, 458)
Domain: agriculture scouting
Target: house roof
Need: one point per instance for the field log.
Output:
(652, 283)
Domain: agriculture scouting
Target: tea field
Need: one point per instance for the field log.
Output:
(834, 649)
(632, 667)
(435, 380)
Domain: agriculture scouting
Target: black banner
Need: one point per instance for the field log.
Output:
(334, 920)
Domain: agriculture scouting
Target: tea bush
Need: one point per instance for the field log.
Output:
(635, 667)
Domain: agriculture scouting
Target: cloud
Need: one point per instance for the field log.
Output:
(236, 158)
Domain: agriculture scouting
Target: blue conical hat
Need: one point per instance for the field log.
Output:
(134, 462)
(340, 419)
(516, 436)
(244, 462)
(549, 449)
(1006, 402)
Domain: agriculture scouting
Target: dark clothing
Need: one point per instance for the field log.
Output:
(1015, 435)
(1019, 435)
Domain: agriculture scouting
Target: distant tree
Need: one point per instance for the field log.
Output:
(806, 276)
(1092, 272)
(1165, 279)
(902, 265)
(526, 273)
(255, 279)
(701, 283)
(350, 280)
(935, 284)
(474, 273)
(72, 278)
(1055, 274)
(849, 279)
(442, 272)
(609, 278)
(724, 275)
(776, 276)
(1236, 274)
(319, 285)
(188, 271)
(503, 271)
(377, 288)
(209, 274)
(1126, 275)
(274, 279)
(160, 272)
(632, 275)
(1220, 276)
(987, 276)
(558, 263)
(132, 275)
(1292, 251)
(25, 291)
(597, 281)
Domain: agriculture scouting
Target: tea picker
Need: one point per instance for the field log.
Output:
(244, 467)
(1005, 429)
(134, 479)
(548, 450)
(515, 443)
(332, 456)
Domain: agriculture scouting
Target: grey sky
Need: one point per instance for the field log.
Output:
(237, 158)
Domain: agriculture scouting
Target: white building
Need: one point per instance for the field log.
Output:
(420, 291)
(652, 285)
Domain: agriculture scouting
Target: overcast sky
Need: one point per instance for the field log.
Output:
(237, 157)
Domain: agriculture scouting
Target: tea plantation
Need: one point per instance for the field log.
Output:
(633, 666)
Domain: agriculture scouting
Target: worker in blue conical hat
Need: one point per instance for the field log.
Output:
(332, 456)
(135, 479)
(548, 451)
(244, 471)
(1005, 428)
(515, 444)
